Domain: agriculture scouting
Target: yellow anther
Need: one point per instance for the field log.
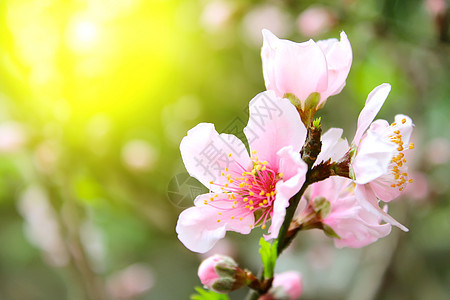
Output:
(254, 152)
(410, 181)
(245, 199)
(219, 213)
(223, 174)
(411, 146)
(216, 195)
(241, 185)
(232, 218)
(251, 193)
(258, 167)
(397, 132)
(218, 221)
(233, 206)
(211, 198)
(403, 121)
(400, 148)
(250, 202)
(211, 182)
(228, 176)
(260, 204)
(262, 193)
(235, 202)
(265, 201)
(249, 186)
(229, 154)
(252, 207)
(393, 185)
(265, 162)
(226, 185)
(394, 124)
(272, 193)
(264, 168)
(226, 169)
(264, 226)
(230, 181)
(240, 219)
(247, 206)
(280, 175)
(267, 194)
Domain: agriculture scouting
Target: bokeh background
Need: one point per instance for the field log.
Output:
(96, 95)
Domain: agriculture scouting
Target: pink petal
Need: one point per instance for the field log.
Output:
(374, 102)
(339, 61)
(273, 123)
(206, 154)
(294, 173)
(366, 197)
(198, 228)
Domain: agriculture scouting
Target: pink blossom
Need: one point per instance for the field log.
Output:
(356, 226)
(379, 165)
(286, 286)
(243, 186)
(305, 68)
(315, 20)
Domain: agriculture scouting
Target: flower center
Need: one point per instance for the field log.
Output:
(250, 191)
(398, 161)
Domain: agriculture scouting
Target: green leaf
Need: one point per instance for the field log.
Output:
(330, 232)
(312, 101)
(268, 254)
(294, 100)
(316, 123)
(208, 295)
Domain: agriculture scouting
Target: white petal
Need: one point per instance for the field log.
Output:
(206, 154)
(374, 102)
(333, 146)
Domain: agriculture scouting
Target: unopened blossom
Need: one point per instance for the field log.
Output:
(305, 68)
(355, 225)
(285, 286)
(379, 164)
(245, 190)
(221, 274)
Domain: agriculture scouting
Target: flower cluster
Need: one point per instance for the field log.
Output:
(294, 177)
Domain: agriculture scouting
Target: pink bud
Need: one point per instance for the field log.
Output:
(305, 68)
(286, 286)
(220, 274)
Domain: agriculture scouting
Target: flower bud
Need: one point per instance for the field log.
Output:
(285, 286)
(221, 274)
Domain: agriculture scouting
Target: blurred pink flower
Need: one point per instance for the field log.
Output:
(436, 7)
(305, 68)
(356, 226)
(285, 286)
(242, 185)
(315, 20)
(379, 164)
(131, 282)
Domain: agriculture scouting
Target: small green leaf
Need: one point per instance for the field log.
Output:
(294, 100)
(312, 101)
(316, 123)
(268, 254)
(208, 295)
(330, 232)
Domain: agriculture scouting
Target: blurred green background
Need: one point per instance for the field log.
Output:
(95, 97)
